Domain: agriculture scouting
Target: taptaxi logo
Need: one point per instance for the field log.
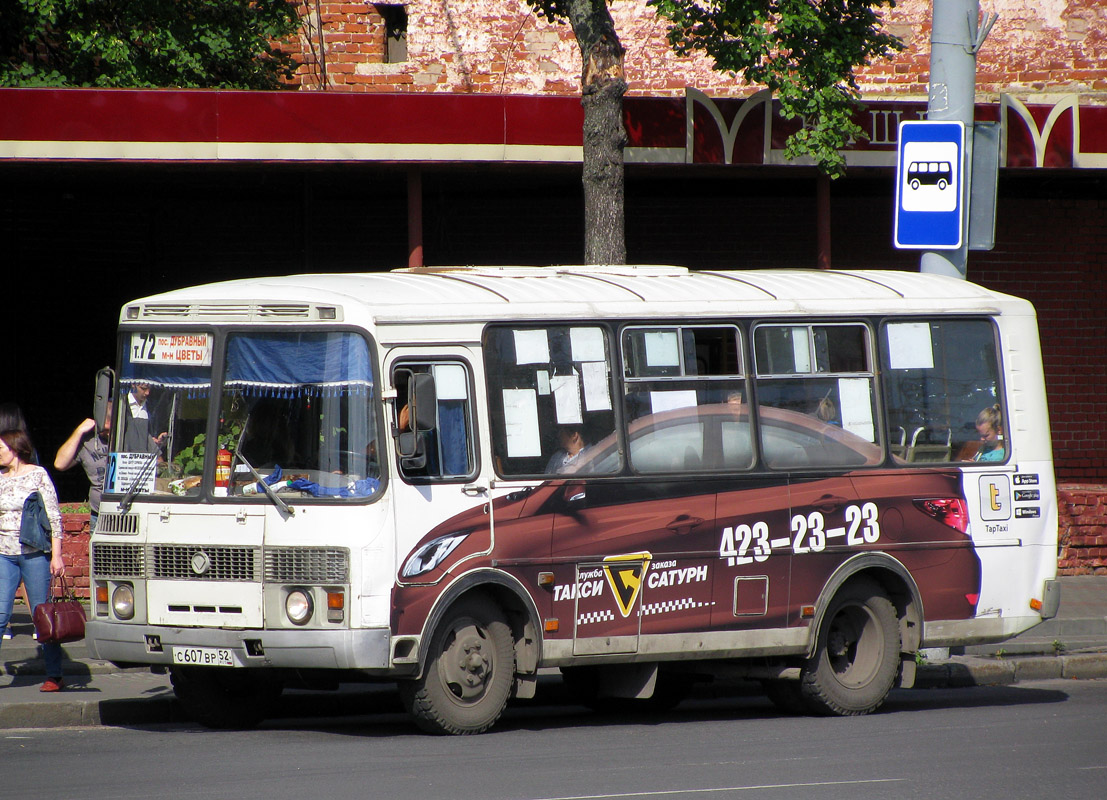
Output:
(625, 574)
(995, 497)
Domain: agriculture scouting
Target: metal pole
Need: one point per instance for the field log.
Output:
(822, 215)
(414, 217)
(954, 39)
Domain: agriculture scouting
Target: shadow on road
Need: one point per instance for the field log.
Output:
(375, 711)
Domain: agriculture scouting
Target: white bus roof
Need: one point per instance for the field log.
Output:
(581, 292)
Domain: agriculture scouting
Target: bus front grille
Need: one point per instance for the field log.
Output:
(220, 563)
(110, 522)
(118, 560)
(307, 565)
(203, 562)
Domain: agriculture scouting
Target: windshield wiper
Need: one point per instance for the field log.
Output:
(140, 478)
(272, 495)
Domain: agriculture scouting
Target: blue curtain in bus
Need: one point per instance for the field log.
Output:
(319, 364)
(453, 437)
(194, 380)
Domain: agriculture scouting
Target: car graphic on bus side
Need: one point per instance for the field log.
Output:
(616, 565)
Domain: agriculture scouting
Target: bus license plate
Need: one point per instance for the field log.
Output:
(203, 656)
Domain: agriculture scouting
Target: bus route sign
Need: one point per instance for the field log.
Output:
(929, 185)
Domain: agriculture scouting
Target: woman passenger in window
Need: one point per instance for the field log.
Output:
(989, 425)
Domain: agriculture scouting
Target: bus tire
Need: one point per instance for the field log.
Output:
(469, 672)
(225, 699)
(857, 655)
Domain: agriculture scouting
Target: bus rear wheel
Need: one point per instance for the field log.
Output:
(469, 672)
(857, 657)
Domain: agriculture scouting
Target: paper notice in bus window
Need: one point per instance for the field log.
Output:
(662, 349)
(531, 347)
(125, 468)
(597, 394)
(566, 392)
(801, 350)
(909, 346)
(521, 423)
(542, 381)
(450, 382)
(171, 348)
(587, 344)
(857, 407)
(667, 401)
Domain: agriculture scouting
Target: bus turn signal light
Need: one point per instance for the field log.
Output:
(1035, 604)
(336, 606)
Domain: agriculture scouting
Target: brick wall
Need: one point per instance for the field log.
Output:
(494, 46)
(1082, 512)
(1062, 274)
(75, 552)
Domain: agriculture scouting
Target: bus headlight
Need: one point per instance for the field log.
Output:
(432, 554)
(123, 601)
(298, 606)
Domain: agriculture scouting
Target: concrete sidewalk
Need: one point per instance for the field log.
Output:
(1073, 645)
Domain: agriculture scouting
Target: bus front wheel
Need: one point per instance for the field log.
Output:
(469, 672)
(857, 657)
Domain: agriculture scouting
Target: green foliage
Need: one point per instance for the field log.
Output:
(805, 51)
(190, 460)
(145, 43)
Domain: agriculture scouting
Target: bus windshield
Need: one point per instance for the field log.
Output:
(294, 406)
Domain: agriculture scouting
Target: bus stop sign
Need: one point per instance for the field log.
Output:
(929, 185)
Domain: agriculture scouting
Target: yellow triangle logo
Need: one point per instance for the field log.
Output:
(624, 575)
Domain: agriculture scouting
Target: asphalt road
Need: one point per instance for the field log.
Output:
(1035, 739)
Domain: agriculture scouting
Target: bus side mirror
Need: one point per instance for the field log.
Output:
(423, 398)
(105, 381)
(413, 451)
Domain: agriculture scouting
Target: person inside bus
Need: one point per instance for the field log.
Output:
(827, 410)
(570, 454)
(137, 436)
(989, 424)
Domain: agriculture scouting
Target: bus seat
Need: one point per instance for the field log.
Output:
(932, 451)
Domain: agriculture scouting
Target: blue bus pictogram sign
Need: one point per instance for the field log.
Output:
(929, 185)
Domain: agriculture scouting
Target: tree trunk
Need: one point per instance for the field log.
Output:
(602, 88)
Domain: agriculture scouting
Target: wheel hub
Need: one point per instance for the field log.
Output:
(467, 664)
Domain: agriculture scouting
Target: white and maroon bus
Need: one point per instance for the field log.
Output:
(643, 476)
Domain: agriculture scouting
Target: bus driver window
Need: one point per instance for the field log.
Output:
(438, 444)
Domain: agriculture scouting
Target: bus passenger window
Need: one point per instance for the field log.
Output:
(550, 402)
(941, 382)
(444, 450)
(816, 395)
(684, 399)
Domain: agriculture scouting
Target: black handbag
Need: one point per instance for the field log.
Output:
(61, 618)
(34, 525)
